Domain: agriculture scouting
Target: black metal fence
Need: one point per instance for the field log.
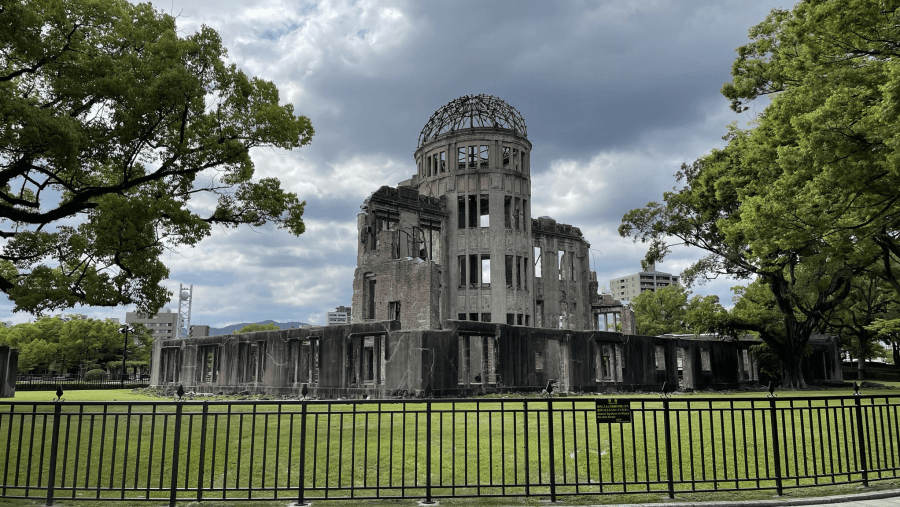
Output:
(68, 382)
(430, 449)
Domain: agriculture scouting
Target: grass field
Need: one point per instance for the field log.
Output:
(476, 447)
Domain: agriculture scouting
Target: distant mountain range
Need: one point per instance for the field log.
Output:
(215, 331)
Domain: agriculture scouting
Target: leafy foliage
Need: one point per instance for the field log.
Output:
(252, 328)
(113, 125)
(73, 344)
(669, 310)
(812, 187)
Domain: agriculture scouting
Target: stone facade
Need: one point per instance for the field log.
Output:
(458, 291)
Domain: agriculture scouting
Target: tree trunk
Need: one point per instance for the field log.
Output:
(896, 349)
(791, 370)
(860, 368)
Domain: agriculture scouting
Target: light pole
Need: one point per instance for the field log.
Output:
(124, 330)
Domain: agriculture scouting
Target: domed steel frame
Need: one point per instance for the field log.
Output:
(473, 111)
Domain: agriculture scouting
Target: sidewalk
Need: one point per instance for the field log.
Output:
(887, 498)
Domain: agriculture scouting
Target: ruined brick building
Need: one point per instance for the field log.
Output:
(459, 291)
(457, 241)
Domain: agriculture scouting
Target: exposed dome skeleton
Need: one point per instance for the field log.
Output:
(473, 111)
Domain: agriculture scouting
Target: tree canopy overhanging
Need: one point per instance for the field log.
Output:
(807, 199)
(111, 126)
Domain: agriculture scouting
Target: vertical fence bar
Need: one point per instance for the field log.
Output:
(201, 465)
(776, 448)
(861, 441)
(302, 472)
(428, 500)
(51, 480)
(527, 455)
(551, 450)
(667, 423)
(176, 451)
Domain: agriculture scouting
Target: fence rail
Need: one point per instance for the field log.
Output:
(76, 382)
(430, 449)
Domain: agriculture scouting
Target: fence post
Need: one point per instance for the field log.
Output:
(300, 491)
(51, 480)
(176, 452)
(773, 418)
(527, 456)
(202, 452)
(552, 451)
(861, 442)
(668, 448)
(428, 500)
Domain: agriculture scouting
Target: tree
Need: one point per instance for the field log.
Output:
(252, 328)
(670, 310)
(112, 124)
(813, 185)
(870, 299)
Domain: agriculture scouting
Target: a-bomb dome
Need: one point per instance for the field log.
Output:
(473, 111)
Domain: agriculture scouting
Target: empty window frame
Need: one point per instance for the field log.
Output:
(515, 159)
(525, 214)
(461, 158)
(442, 161)
(485, 317)
(370, 298)
(563, 315)
(293, 361)
(368, 360)
(428, 165)
(507, 212)
(209, 363)
(537, 262)
(510, 281)
(519, 319)
(477, 360)
(474, 270)
(538, 361)
(517, 212)
(484, 211)
(561, 262)
(485, 269)
(473, 157)
(511, 318)
(421, 171)
(527, 320)
(461, 211)
(705, 363)
(462, 272)
(460, 316)
(660, 357)
(394, 310)
(506, 160)
(571, 266)
(473, 211)
(473, 317)
(518, 272)
(483, 157)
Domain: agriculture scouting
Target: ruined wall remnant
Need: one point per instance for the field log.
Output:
(9, 369)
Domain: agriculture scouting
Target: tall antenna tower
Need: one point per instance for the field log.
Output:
(185, 293)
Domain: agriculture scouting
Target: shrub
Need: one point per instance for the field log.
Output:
(95, 375)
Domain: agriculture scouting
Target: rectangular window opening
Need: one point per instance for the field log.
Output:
(518, 272)
(483, 162)
(507, 212)
(461, 211)
(506, 157)
(473, 157)
(370, 308)
(473, 269)
(394, 310)
(519, 319)
(460, 316)
(511, 318)
(515, 159)
(462, 271)
(443, 161)
(461, 158)
(473, 211)
(473, 317)
(660, 357)
(537, 262)
(561, 259)
(517, 213)
(484, 212)
(428, 174)
(527, 320)
(509, 271)
(485, 269)
(485, 317)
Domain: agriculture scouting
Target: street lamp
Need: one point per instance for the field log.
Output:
(125, 329)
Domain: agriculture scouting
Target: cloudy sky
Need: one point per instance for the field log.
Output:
(615, 94)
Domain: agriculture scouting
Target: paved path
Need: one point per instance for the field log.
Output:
(885, 498)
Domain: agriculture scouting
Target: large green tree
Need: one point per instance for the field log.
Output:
(672, 310)
(111, 122)
(814, 184)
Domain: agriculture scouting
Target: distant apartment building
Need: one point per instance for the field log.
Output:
(628, 287)
(340, 315)
(163, 325)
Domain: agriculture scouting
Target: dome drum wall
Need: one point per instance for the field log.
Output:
(485, 174)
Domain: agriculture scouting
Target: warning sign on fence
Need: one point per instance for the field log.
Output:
(613, 411)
